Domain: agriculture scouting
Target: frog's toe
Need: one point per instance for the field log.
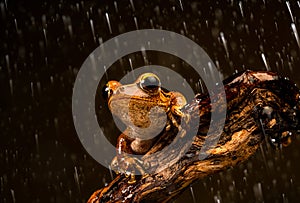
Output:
(114, 165)
(132, 179)
(186, 118)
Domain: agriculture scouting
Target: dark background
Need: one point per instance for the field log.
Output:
(43, 45)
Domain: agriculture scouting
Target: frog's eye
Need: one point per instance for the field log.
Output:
(150, 83)
(106, 92)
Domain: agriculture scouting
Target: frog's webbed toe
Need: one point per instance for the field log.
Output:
(114, 165)
(128, 166)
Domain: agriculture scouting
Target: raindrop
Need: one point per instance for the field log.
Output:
(116, 6)
(265, 61)
(284, 199)
(258, 192)
(2, 8)
(51, 79)
(151, 23)
(136, 23)
(132, 5)
(192, 193)
(224, 43)
(70, 30)
(108, 22)
(1, 184)
(45, 36)
(76, 177)
(11, 86)
(181, 6)
(5, 2)
(201, 86)
(131, 67)
(143, 50)
(36, 137)
(110, 172)
(210, 67)
(38, 84)
(276, 26)
(70, 193)
(185, 29)
(92, 28)
(13, 195)
(16, 24)
(7, 62)
(260, 146)
(296, 34)
(290, 11)
(217, 199)
(31, 88)
(44, 21)
(105, 71)
(241, 8)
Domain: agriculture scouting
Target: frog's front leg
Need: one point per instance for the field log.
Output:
(123, 163)
(178, 101)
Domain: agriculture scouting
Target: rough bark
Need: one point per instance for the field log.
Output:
(260, 106)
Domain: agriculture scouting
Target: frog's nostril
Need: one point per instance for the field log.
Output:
(106, 92)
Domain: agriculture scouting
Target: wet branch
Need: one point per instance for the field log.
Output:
(260, 105)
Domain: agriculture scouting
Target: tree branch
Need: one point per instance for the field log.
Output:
(260, 105)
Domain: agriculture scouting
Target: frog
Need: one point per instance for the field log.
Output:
(146, 109)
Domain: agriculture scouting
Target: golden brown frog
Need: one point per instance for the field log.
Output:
(146, 109)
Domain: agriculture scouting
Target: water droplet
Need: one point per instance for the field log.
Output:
(7, 62)
(92, 28)
(5, 2)
(108, 22)
(257, 189)
(241, 8)
(70, 30)
(36, 137)
(132, 5)
(2, 8)
(16, 24)
(192, 193)
(181, 6)
(44, 21)
(224, 42)
(45, 36)
(13, 195)
(185, 28)
(110, 172)
(11, 86)
(265, 61)
(295, 33)
(76, 178)
(136, 23)
(290, 11)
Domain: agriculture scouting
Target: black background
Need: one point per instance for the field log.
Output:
(44, 43)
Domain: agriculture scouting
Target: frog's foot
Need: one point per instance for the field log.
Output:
(185, 118)
(128, 166)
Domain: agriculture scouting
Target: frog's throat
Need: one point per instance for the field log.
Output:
(130, 132)
(144, 100)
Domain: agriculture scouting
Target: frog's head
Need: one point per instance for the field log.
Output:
(141, 106)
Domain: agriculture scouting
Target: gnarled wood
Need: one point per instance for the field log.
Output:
(259, 105)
